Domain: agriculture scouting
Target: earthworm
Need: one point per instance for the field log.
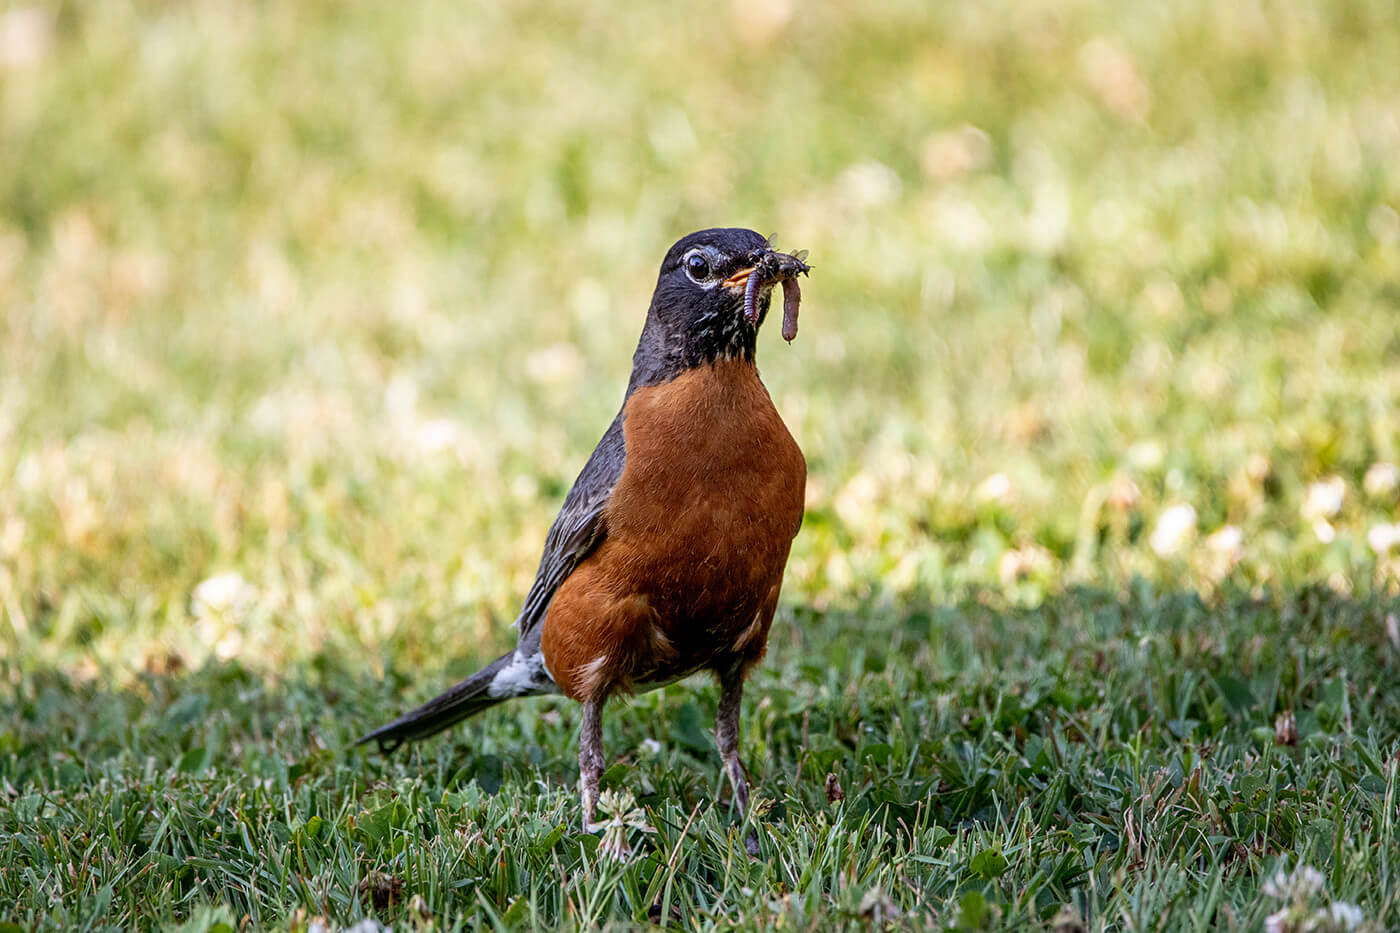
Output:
(751, 294)
(792, 296)
(765, 270)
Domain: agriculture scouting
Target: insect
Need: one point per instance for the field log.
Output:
(772, 266)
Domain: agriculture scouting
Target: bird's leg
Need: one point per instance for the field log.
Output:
(731, 691)
(590, 760)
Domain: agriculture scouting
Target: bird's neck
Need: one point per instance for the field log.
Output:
(664, 354)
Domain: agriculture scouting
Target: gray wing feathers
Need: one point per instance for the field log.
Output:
(576, 531)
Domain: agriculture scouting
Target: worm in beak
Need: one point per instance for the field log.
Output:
(792, 296)
(773, 267)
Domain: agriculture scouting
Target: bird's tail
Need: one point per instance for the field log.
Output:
(510, 675)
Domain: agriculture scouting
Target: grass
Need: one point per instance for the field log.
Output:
(312, 312)
(1116, 755)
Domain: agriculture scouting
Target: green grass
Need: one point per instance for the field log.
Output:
(336, 299)
(1114, 754)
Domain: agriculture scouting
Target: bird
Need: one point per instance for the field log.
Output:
(667, 556)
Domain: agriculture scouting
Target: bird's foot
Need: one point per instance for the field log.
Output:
(749, 818)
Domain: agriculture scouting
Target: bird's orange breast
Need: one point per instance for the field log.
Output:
(698, 530)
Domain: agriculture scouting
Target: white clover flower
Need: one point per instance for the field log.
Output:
(995, 488)
(1324, 498)
(623, 816)
(1381, 478)
(368, 925)
(1382, 538)
(1303, 882)
(1175, 527)
(225, 593)
(1347, 916)
(1307, 881)
(1324, 531)
(220, 606)
(1224, 549)
(1227, 540)
(1277, 922)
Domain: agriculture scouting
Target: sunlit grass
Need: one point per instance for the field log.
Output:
(328, 303)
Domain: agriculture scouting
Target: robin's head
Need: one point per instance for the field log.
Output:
(711, 296)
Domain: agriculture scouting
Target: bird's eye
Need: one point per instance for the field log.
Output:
(697, 267)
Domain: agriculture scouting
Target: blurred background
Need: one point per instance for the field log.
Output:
(312, 311)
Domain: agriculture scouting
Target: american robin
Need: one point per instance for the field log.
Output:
(667, 556)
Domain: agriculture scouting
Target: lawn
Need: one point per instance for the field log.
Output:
(311, 313)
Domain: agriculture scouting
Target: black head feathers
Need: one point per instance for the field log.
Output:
(708, 281)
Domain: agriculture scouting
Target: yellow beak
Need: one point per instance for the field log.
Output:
(739, 279)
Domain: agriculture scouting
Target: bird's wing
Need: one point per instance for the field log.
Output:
(576, 531)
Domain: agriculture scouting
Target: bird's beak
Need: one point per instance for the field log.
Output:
(774, 267)
(739, 279)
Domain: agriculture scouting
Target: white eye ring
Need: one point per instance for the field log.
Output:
(701, 273)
